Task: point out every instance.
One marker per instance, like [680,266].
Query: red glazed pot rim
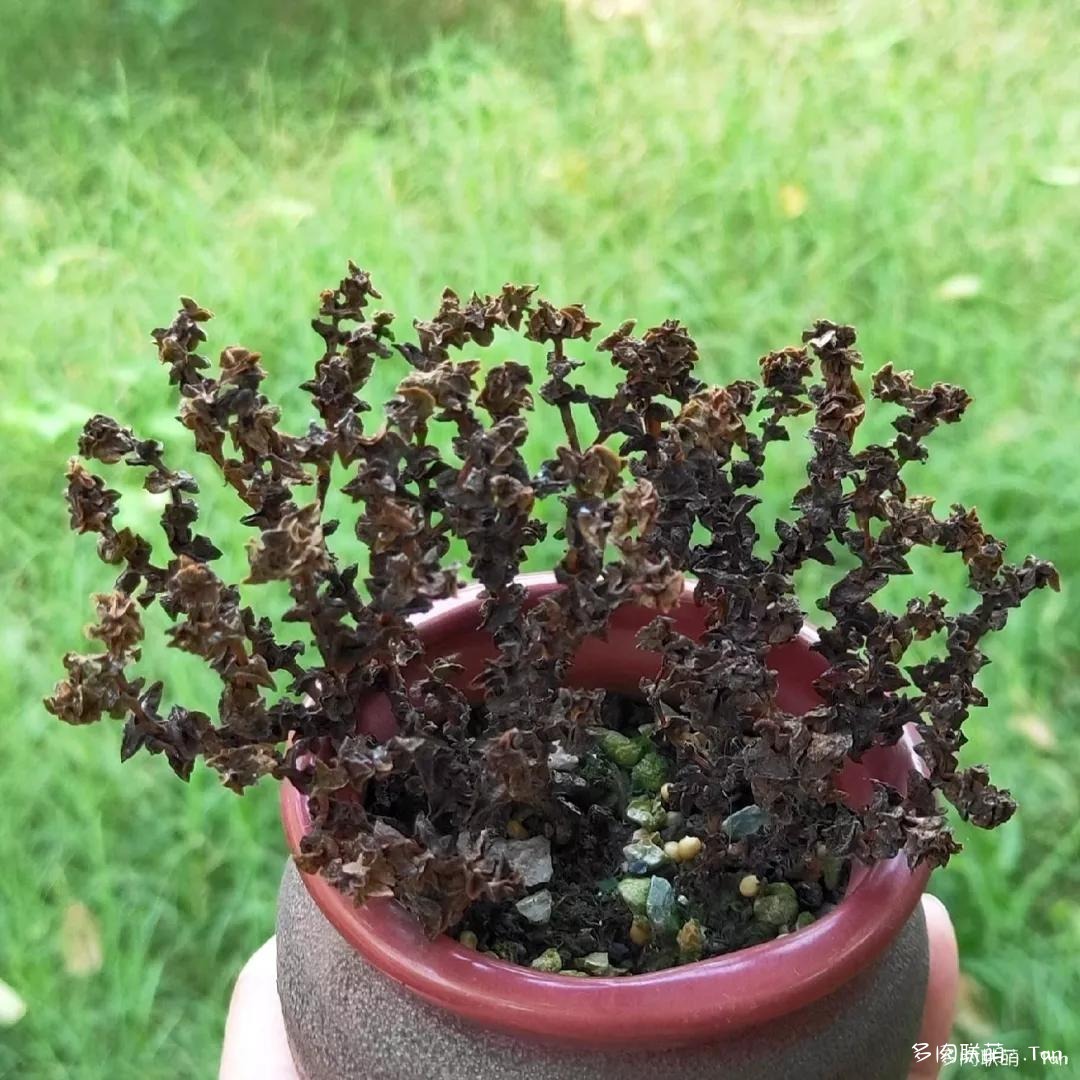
[698,1002]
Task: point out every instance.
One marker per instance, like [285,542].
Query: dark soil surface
[615,911]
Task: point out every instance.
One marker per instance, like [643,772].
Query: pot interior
[616,663]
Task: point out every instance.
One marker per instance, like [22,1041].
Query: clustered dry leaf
[419,816]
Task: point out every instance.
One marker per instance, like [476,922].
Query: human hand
[255,1046]
[941,985]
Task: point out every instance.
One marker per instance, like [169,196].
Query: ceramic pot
[366,996]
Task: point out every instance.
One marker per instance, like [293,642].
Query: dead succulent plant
[662,490]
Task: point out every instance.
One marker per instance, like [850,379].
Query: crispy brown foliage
[421,816]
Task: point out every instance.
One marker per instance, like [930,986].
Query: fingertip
[941,984]
[944,954]
[262,964]
[255,1045]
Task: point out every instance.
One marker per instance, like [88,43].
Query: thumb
[255,1046]
[941,985]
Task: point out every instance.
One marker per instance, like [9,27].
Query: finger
[941,986]
[255,1046]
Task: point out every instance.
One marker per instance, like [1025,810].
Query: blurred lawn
[911,167]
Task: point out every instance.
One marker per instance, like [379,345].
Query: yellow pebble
[468,939]
[640,932]
[516,831]
[689,847]
[665,792]
[749,886]
[671,850]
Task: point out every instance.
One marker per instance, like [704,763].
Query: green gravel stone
[643,858]
[745,822]
[776,904]
[508,951]
[622,750]
[830,871]
[647,812]
[635,893]
[650,773]
[660,906]
[549,960]
[597,963]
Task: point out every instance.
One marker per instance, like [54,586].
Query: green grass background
[650,158]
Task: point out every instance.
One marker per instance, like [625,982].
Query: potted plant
[633,813]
